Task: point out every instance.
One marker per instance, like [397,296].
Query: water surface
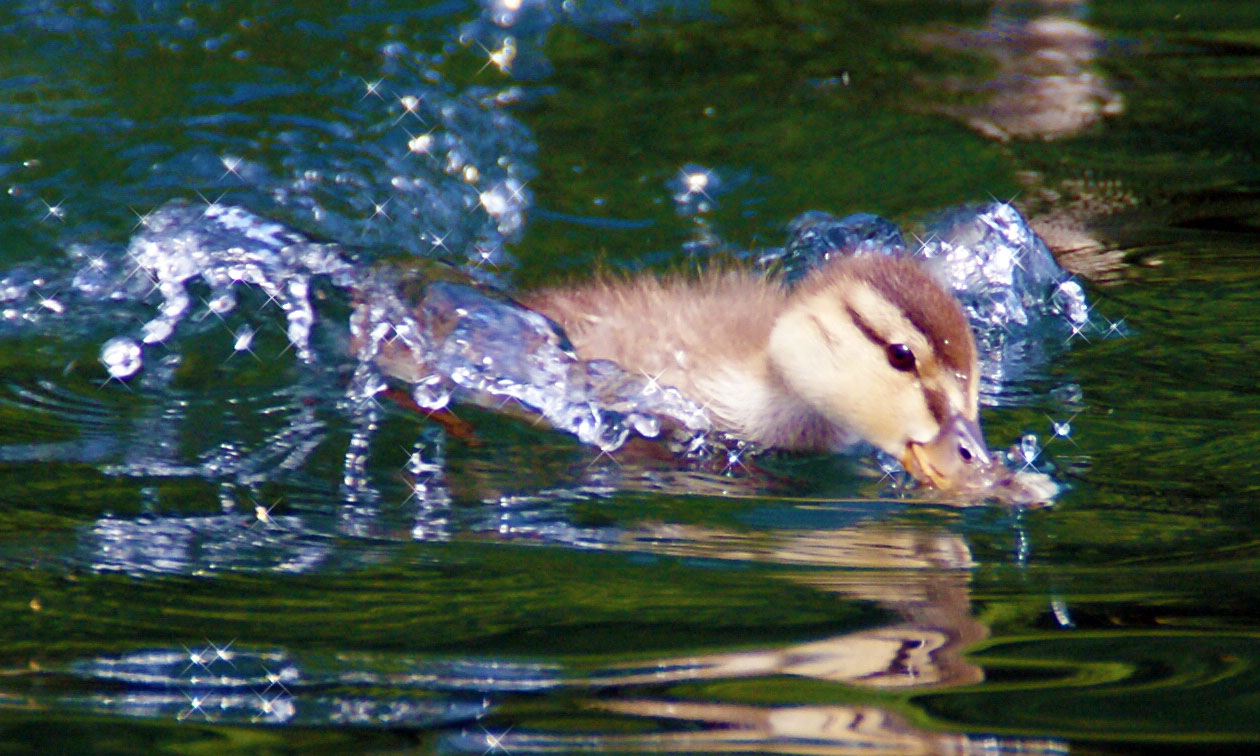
[219,554]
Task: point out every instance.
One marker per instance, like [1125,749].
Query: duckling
[867,348]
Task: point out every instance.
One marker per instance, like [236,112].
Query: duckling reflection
[922,574]
[815,730]
[732,728]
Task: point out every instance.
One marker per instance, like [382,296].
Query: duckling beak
[951,460]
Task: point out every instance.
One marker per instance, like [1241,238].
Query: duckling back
[670,328]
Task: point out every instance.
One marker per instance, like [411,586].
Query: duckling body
[706,337]
[864,348]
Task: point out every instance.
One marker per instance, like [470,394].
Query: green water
[545,609]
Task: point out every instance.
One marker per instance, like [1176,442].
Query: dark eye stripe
[865,328]
[937,404]
[888,347]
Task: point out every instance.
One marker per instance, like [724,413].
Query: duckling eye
[900,357]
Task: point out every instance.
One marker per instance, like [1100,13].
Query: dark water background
[179,578]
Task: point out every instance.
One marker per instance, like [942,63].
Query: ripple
[1115,684]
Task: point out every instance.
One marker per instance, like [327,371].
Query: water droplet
[122,357]
[244,338]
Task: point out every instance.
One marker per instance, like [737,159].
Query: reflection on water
[224,684]
[918,574]
[921,575]
[1047,84]
[729,728]
[205,544]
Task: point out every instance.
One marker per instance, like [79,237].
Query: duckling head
[877,346]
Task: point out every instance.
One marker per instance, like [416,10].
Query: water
[215,538]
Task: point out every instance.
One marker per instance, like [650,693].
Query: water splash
[1002,271]
[449,337]
[225,246]
[986,254]
[476,342]
[442,337]
[816,237]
